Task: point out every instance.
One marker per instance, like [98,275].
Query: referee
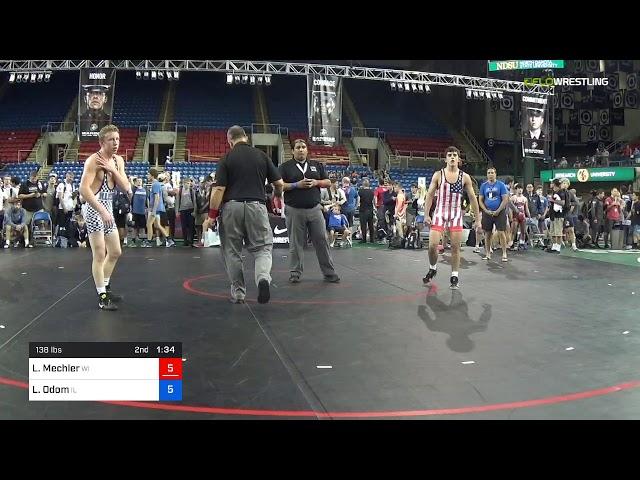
[303,179]
[241,179]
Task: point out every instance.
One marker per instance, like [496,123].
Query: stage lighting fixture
[25,78]
[393,86]
[145,75]
[161,75]
[154,75]
[414,88]
[421,88]
[169,75]
[468,93]
[19,78]
[500,95]
[267,80]
[138,75]
[245,79]
[176,74]
[12,77]
[406,87]
[47,76]
[236,79]
[260,80]
[400,87]
[229,79]
[40,76]
[427,89]
[252,79]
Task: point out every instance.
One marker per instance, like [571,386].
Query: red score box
[170,368]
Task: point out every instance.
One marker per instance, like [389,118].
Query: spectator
[634,216]
[351,194]
[31,193]
[186,203]
[540,208]
[51,201]
[338,223]
[66,194]
[78,235]
[366,201]
[614,207]
[139,209]
[16,222]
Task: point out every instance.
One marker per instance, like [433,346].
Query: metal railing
[180,151]
[273,128]
[367,132]
[418,155]
[476,146]
[58,127]
[70,154]
[163,126]
[28,152]
[133,152]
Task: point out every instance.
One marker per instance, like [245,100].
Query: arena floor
[541,337]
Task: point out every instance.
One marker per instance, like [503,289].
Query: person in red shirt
[613,207]
[378,195]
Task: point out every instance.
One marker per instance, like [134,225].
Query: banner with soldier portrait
[535,121]
[324,96]
[95,101]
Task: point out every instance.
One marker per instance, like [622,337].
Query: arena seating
[137,102]
[11,141]
[32,105]
[204,100]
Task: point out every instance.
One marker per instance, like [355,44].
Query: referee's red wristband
[213,213]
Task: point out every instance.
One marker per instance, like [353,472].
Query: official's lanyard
[303,170]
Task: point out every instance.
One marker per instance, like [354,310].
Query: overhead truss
[281,68]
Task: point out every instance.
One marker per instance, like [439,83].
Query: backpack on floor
[396,242]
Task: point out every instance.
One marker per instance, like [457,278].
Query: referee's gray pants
[248,222]
[298,220]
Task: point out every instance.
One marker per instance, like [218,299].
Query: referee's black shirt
[302,197]
[243,171]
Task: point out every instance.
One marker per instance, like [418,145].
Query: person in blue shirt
[338,223]
[494,197]
[15,221]
[351,194]
[157,215]
[541,205]
[138,212]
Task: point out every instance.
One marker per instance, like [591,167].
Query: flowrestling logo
[566,81]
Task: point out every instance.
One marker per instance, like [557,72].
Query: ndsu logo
[583,175]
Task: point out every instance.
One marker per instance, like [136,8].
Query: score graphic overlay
[105,371]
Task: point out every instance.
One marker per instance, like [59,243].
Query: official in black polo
[241,179]
[303,179]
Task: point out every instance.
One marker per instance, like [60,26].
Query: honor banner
[95,101]
[535,134]
[324,98]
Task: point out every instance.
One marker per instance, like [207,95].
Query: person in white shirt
[66,200]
